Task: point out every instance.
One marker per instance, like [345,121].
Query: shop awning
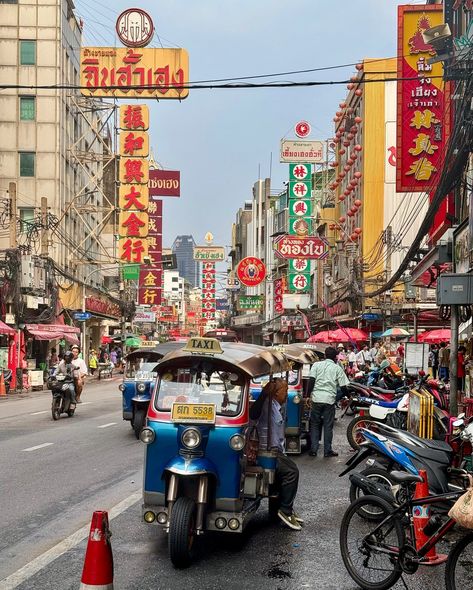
[45,334]
[4,329]
[71,338]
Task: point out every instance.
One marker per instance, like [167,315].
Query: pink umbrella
[326,336]
[435,336]
[348,334]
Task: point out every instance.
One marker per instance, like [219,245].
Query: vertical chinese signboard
[208,292]
[133,177]
[423,100]
[150,290]
[300,222]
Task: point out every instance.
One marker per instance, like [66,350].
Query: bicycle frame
[408,506]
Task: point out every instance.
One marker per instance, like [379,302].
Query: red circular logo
[135,27]
[251,271]
[302,129]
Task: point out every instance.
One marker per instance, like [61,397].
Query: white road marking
[40,562]
[37,447]
[37,413]
[107,425]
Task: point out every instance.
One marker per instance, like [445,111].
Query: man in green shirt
[324,380]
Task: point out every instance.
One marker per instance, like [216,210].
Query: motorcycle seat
[383,391]
[383,404]
[438,445]
[404,477]
[437,455]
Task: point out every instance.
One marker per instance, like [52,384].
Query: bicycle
[386,549]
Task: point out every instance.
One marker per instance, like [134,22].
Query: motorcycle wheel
[353,435]
[182,532]
[138,421]
[56,408]
[382,478]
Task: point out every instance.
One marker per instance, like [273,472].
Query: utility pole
[454,326]
[389,245]
[12,193]
[44,228]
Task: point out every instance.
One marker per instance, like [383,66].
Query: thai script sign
[145,317]
[209,253]
[304,151]
[250,302]
[102,306]
[422,122]
[134,73]
[294,247]
[164,183]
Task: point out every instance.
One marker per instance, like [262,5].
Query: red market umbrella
[107,340]
[435,336]
[348,334]
[326,336]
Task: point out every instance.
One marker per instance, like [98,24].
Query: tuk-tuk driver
[287,473]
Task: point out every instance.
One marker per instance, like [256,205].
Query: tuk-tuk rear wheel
[139,421]
[182,532]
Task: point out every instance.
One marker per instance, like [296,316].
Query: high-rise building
[188,268]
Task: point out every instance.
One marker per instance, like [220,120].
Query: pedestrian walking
[461,364]
[374,351]
[444,361]
[363,359]
[325,377]
[269,408]
[93,361]
[434,360]
[351,356]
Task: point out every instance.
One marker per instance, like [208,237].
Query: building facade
[183,248]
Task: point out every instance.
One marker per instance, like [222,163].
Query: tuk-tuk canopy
[153,354]
[301,353]
[252,359]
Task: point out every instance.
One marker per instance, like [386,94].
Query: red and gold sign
[133,250]
[251,271]
[150,282]
[132,197]
[423,123]
[134,117]
[133,170]
[164,183]
[134,73]
[133,224]
[134,144]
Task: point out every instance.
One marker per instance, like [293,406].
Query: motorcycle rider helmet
[68,357]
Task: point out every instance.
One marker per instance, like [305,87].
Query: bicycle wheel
[363,544]
[459,567]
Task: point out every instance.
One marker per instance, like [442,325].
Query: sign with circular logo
[135,27]
[251,271]
[302,129]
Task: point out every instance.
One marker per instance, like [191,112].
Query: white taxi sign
[199,345]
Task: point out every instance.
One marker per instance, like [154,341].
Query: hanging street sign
[299,282]
[164,183]
[135,27]
[298,265]
[302,129]
[299,172]
[82,316]
[250,302]
[251,271]
[300,208]
[300,189]
[311,247]
[302,151]
[233,284]
[209,253]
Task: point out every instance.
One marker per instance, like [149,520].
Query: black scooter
[63,391]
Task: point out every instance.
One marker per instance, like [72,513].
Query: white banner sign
[302,151]
[145,317]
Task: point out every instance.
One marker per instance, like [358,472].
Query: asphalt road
[93,462]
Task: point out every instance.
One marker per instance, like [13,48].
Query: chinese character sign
[423,124]
[134,73]
[208,292]
[150,285]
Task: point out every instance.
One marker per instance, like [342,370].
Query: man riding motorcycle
[77,365]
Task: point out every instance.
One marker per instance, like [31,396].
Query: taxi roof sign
[200,345]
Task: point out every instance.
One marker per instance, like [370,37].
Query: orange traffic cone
[98,564]
[421,516]
[3,391]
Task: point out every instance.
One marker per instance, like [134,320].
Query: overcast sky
[219,139]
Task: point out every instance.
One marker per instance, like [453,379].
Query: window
[27,163]
[27,108]
[27,53]
[174,279]
[26,218]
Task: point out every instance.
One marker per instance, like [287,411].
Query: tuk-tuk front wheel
[182,532]
[139,421]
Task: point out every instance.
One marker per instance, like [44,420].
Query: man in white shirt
[363,358]
[325,377]
[80,371]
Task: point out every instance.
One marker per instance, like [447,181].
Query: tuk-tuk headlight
[296,399]
[191,438]
[121,387]
[237,442]
[141,387]
[147,435]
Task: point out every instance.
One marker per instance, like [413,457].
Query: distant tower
[188,268]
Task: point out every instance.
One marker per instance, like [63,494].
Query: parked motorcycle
[63,392]
[392,449]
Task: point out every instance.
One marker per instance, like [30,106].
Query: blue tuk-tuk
[138,380]
[302,356]
[198,476]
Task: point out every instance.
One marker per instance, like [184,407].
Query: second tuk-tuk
[198,473]
[138,379]
[301,356]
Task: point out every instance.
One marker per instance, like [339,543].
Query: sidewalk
[92,381]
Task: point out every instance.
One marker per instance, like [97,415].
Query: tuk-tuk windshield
[140,370]
[221,388]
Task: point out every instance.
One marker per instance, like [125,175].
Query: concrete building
[183,248]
